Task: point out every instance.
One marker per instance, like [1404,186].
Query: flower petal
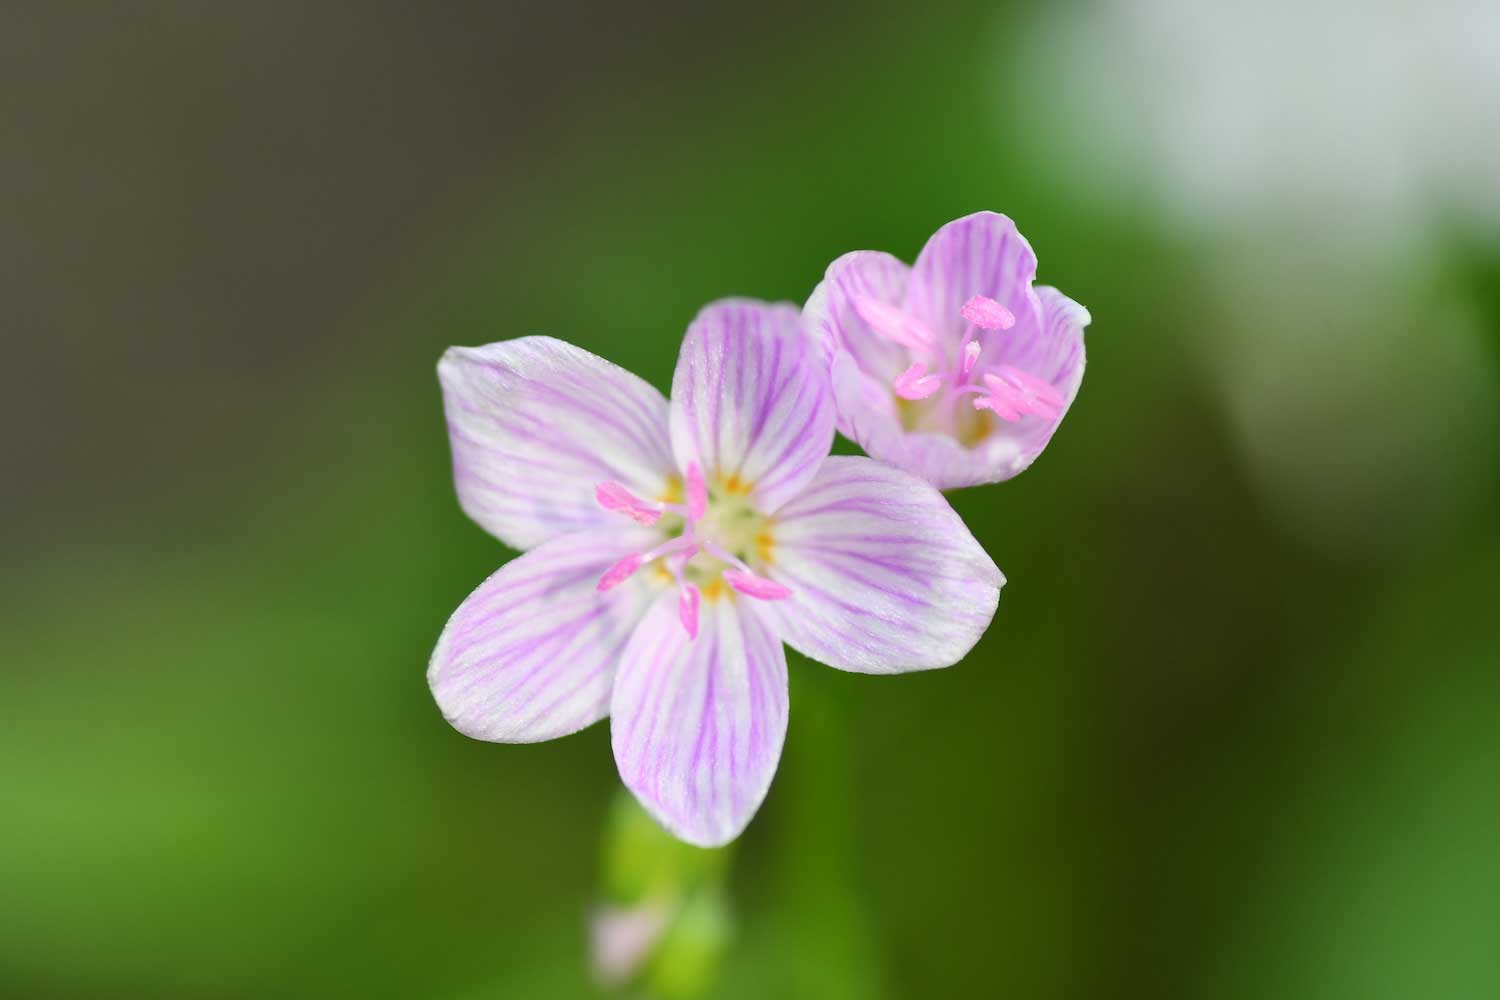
[536,424]
[750,400]
[885,577]
[868,416]
[979,254]
[831,316]
[698,724]
[531,654]
[1050,349]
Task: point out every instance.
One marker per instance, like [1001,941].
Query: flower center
[1003,391]
[715,541]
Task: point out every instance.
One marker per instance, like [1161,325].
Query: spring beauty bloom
[955,369]
[673,547]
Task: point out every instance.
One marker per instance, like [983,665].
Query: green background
[1233,733]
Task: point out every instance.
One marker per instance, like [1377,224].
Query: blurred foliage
[679,892]
[1198,754]
[642,861]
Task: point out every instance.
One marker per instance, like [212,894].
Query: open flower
[954,369]
[673,547]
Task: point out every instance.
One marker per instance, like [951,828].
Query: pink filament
[687,609]
[697,492]
[970,358]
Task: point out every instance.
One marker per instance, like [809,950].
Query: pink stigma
[914,384]
[987,314]
[756,586]
[620,571]
[697,493]
[969,359]
[687,609]
[613,496]
[1014,393]
[893,324]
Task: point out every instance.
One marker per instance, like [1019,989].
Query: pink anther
[1014,394]
[893,324]
[914,383]
[613,496]
[756,586]
[987,314]
[620,571]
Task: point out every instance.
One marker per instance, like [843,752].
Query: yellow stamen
[733,485]
[763,545]
[672,492]
[968,425]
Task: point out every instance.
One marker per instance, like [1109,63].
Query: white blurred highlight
[1345,119]
[1317,153]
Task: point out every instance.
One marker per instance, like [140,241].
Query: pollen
[973,426]
[968,425]
[735,486]
[763,545]
[713,590]
[672,491]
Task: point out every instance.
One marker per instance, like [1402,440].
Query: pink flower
[955,369]
[673,547]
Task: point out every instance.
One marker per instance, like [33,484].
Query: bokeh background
[1234,732]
